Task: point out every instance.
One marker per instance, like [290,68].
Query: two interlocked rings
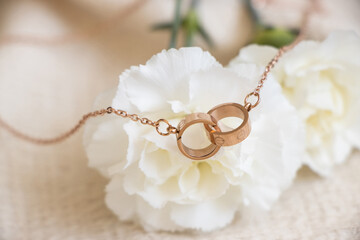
[216,136]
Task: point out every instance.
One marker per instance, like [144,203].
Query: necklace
[210,120]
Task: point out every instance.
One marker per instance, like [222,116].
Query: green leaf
[190,25]
[277,37]
[205,36]
[176,24]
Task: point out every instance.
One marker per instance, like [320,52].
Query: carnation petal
[149,87]
[108,146]
[155,219]
[157,195]
[210,185]
[254,54]
[115,195]
[207,215]
[189,179]
[104,139]
[135,140]
[214,87]
[157,164]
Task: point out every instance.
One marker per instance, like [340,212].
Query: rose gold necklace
[210,119]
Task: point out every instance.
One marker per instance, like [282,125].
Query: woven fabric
[50,193]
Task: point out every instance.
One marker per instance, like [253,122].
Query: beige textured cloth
[48,192]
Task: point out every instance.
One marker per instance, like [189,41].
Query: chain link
[269,66]
[256,92]
[134,117]
[145,121]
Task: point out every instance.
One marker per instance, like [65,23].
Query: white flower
[322,80]
[152,183]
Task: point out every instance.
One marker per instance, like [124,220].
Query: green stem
[253,14]
[191,24]
[189,39]
[176,25]
[194,4]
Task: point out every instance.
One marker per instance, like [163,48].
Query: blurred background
[57,56]
[86,44]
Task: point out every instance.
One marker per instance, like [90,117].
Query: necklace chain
[143,120]
[256,93]
[157,124]
[134,117]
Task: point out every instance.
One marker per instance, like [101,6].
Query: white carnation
[152,183]
[322,80]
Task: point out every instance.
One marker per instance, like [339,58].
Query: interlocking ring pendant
[234,136]
[203,153]
[216,136]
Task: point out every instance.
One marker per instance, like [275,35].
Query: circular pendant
[232,137]
[211,126]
